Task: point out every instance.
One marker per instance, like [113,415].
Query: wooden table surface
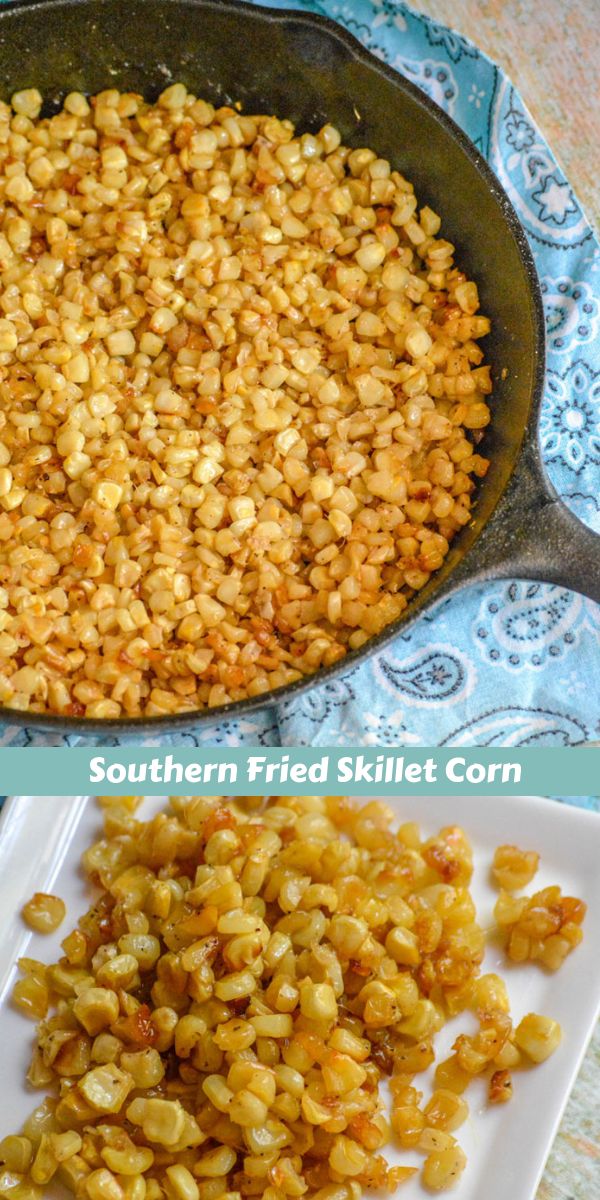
[551,51]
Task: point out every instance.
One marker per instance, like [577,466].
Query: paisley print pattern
[319,708]
[570,436]
[439,676]
[455,46]
[514,726]
[388,14]
[543,198]
[572,313]
[511,664]
[532,626]
[435,78]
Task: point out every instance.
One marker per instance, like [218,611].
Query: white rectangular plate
[41,841]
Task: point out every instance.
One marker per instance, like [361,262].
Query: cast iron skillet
[307,68]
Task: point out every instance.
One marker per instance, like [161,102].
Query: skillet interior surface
[308,69]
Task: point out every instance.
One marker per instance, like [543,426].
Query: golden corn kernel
[44,913]
[442,1169]
[182,1182]
[446,1110]
[128,1159]
[95,1008]
[317,1001]
[105,1088]
[512,868]
[162,1121]
[16,1153]
[538,1036]
[31,995]
[102,1185]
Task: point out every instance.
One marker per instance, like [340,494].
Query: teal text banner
[395,771]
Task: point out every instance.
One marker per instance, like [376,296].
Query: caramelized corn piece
[446,1110]
[544,927]
[501,1088]
[513,869]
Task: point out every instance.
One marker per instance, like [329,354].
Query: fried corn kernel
[513,869]
[162,1121]
[538,1037]
[183,1184]
[500,1089]
[446,1110]
[16,1153]
[15,1186]
[443,1168]
[248,975]
[242,392]
[95,1008]
[145,1067]
[317,1001]
[32,996]
[103,1185]
[105,1088]
[44,913]
[45,1163]
[543,928]
[125,1158]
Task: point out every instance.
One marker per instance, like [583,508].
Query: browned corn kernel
[408,1123]
[501,1088]
[513,869]
[544,927]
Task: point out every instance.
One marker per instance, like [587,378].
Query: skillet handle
[533,535]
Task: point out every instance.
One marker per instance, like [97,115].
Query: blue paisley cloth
[512,664]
